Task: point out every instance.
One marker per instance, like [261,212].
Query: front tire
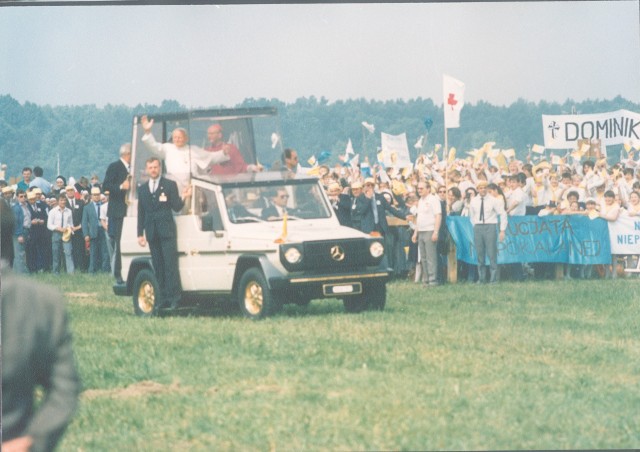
[146,291]
[354,304]
[254,296]
[377,297]
[373,298]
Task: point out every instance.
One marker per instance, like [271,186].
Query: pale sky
[208,55]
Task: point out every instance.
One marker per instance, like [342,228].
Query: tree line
[85,139]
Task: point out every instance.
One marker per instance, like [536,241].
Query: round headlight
[376,249]
[292,255]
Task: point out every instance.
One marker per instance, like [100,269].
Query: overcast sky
[210,55]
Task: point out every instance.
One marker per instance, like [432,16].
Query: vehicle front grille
[336,254]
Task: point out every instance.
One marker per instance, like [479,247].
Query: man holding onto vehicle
[117,181]
[156,226]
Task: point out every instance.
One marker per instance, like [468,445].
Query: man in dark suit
[117,182]
[278,206]
[94,234]
[341,203]
[37,358]
[156,226]
[76,205]
[374,219]
[235,209]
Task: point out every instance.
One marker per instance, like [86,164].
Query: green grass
[540,365]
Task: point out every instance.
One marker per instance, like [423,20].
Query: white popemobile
[228,248]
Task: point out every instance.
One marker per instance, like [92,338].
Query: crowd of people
[60,226]
[489,195]
[77,225]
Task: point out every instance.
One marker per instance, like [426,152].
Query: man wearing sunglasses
[278,206]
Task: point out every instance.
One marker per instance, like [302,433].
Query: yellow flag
[488,145]
[502,162]
[509,153]
[283,237]
[452,156]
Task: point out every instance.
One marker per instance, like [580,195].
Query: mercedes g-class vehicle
[229,248]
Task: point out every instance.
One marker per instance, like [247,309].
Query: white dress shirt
[59,218]
[493,211]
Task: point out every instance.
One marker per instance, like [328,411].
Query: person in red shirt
[236,163]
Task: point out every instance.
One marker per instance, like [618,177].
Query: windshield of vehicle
[271,203]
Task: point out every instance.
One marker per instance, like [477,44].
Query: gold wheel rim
[253,298]
[146,297]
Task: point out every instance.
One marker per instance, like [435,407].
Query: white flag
[537,149]
[349,149]
[354,161]
[453,92]
[370,127]
[419,143]
[274,140]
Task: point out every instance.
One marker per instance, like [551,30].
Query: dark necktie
[375,210]
[482,209]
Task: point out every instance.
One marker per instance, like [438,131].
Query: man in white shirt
[427,221]
[516,200]
[59,220]
[484,213]
[181,159]
[516,206]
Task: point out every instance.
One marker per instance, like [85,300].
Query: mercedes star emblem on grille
[337,253]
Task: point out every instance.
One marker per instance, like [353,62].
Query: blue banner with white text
[571,239]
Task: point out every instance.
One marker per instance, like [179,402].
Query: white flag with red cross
[453,92]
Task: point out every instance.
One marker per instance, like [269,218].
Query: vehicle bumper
[327,285]
[121,289]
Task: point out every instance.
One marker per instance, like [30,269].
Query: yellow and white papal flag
[453,94]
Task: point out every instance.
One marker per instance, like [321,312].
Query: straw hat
[66,235]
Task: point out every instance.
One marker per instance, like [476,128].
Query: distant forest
[87,138]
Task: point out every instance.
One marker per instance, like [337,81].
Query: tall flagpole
[364,142]
[445,153]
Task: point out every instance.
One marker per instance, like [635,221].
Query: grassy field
[539,365]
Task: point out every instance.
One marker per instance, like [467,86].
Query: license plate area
[351,288]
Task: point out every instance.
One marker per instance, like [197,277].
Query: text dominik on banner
[616,127]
